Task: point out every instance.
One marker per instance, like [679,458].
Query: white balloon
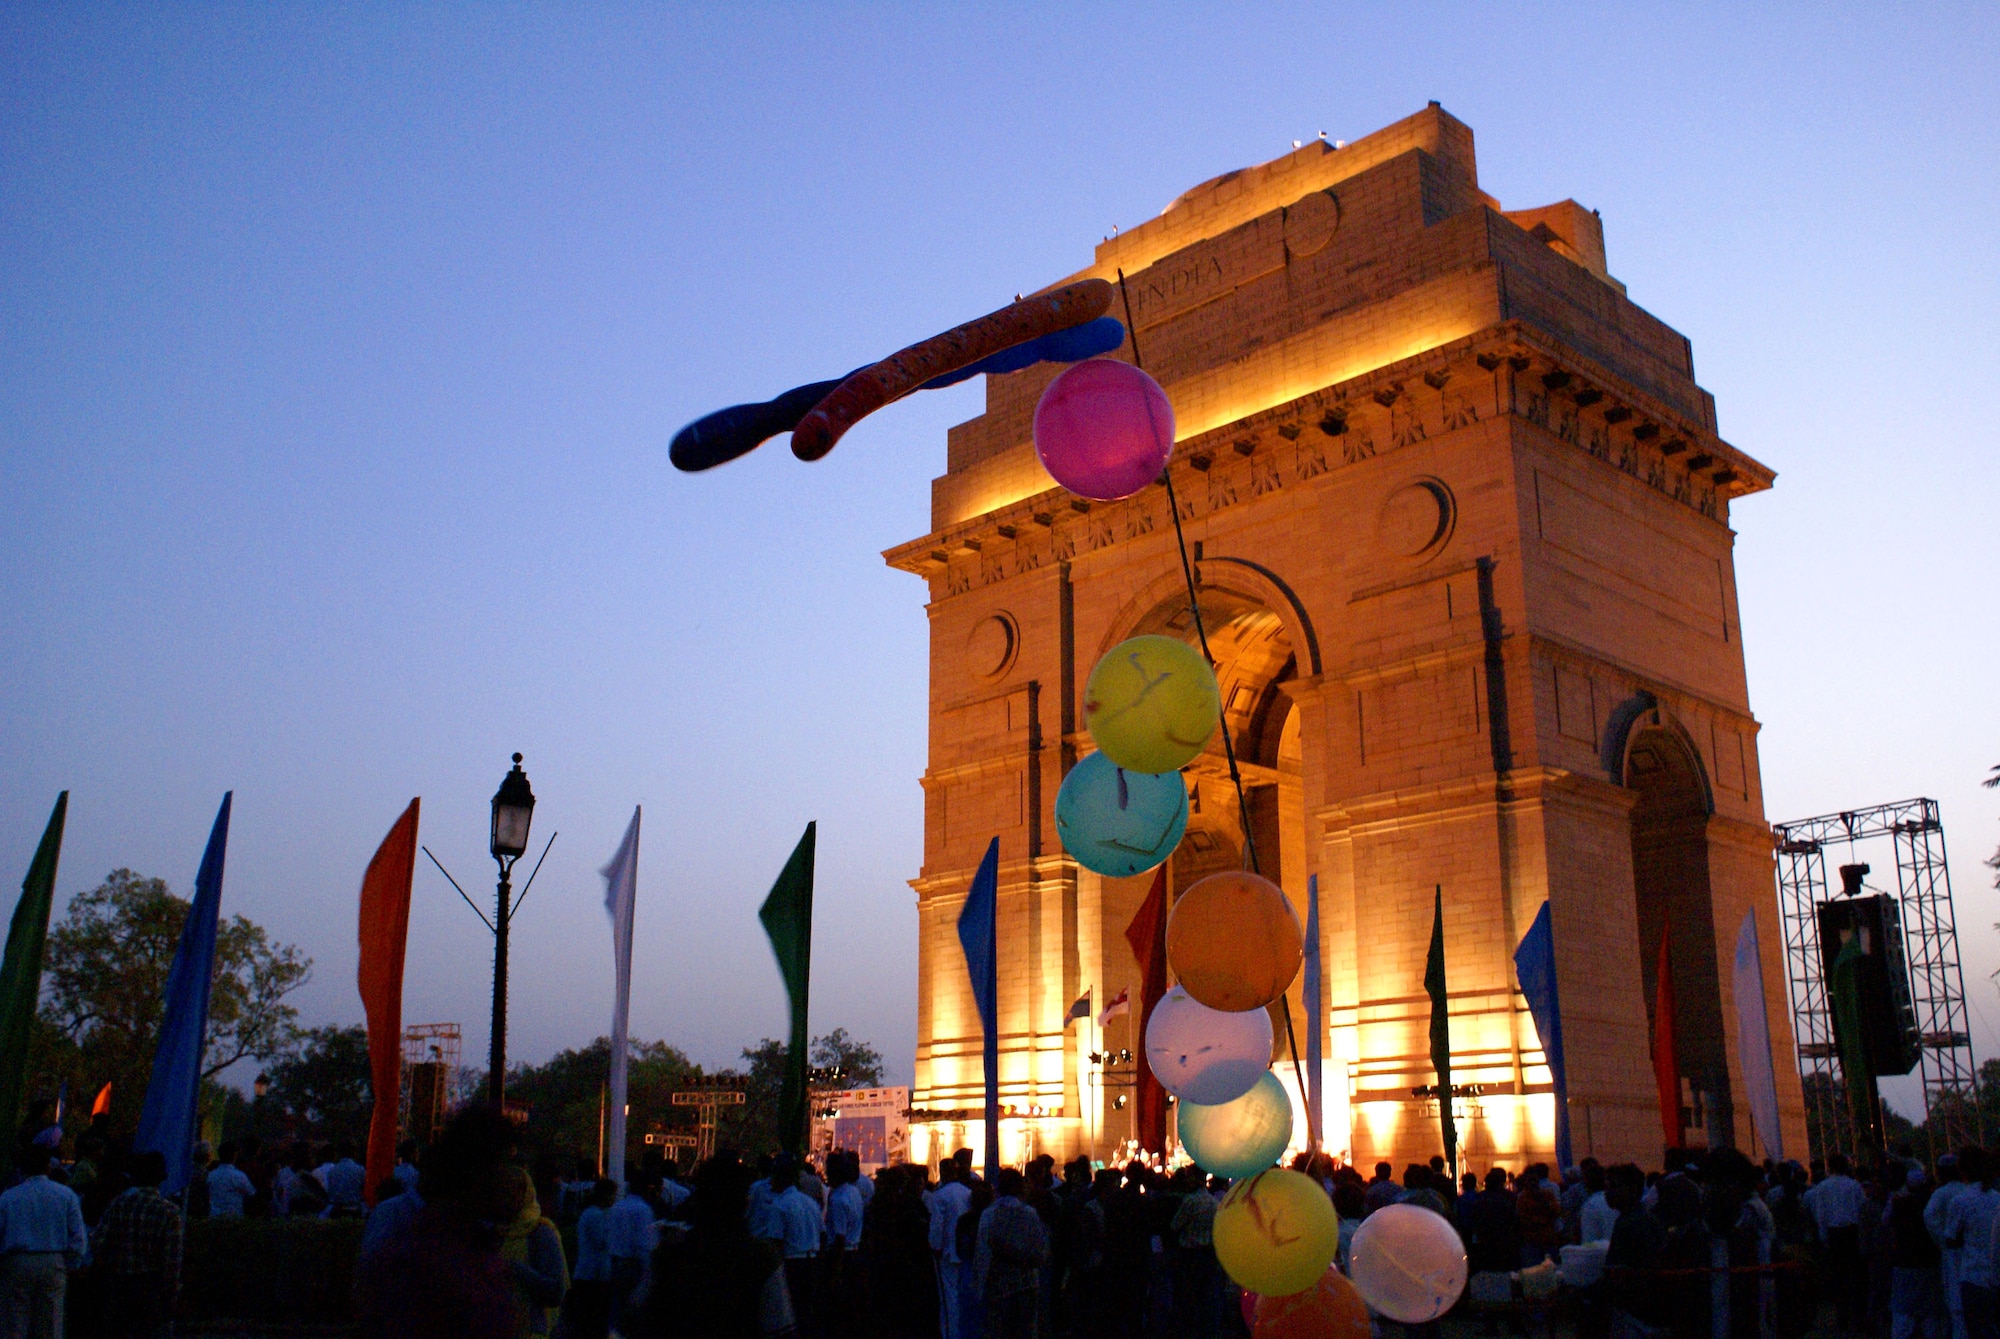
[1408,1263]
[1204,1055]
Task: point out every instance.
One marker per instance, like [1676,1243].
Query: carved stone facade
[1460,518]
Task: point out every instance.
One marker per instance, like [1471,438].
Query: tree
[1991,782]
[859,1063]
[105,983]
[753,1127]
[325,1084]
[562,1097]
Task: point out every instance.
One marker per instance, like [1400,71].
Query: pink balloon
[1248,1305]
[1104,429]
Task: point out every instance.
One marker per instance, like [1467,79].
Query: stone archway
[1256,654]
[1670,876]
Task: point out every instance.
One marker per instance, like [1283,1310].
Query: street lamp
[513,809]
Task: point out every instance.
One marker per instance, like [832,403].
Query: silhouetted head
[146,1169]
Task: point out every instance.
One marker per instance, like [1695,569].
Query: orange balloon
[1234,941]
[1330,1309]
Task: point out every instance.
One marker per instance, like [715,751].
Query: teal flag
[21,970]
[1434,985]
[788,919]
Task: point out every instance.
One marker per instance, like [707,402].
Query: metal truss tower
[1930,936]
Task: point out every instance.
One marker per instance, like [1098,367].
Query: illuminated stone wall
[1460,516]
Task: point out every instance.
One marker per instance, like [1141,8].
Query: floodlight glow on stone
[1151,704]
[1118,823]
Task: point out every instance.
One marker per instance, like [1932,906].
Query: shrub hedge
[270,1269]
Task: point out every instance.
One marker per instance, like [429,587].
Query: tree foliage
[860,1064]
[105,981]
[324,1084]
[562,1096]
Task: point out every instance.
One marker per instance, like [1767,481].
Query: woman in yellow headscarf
[533,1250]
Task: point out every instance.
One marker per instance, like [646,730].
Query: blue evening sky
[340,347]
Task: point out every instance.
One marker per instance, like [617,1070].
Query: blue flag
[167,1125]
[978,935]
[1535,967]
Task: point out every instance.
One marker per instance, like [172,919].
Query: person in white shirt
[798,1214]
[346,1182]
[229,1188]
[631,1235]
[1597,1219]
[948,1204]
[674,1192]
[1936,1209]
[845,1204]
[406,1164]
[587,1309]
[1835,1203]
[41,1240]
[1968,1227]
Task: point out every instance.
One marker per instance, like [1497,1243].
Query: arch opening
[1670,875]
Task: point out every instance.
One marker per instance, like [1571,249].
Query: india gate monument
[1460,522]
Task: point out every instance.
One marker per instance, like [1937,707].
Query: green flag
[788,919]
[1850,1035]
[1441,1029]
[21,969]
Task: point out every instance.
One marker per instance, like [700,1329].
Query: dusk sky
[340,347]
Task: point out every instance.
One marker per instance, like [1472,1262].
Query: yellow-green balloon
[1240,1137]
[1151,704]
[1276,1233]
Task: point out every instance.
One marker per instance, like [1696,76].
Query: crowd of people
[91,1246]
[476,1243]
[1715,1244]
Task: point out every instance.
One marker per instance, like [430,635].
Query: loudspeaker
[1889,1018]
[429,1101]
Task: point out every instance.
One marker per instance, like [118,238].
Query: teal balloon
[1120,823]
[1240,1138]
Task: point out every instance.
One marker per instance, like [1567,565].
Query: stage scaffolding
[1937,987]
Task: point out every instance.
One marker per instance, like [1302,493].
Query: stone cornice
[1508,369]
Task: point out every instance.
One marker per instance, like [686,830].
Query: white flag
[1753,1040]
[621,889]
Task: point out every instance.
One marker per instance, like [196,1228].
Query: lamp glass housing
[513,810]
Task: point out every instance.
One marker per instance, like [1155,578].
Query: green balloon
[1240,1138]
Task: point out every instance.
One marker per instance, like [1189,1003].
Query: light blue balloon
[1240,1138]
[1117,822]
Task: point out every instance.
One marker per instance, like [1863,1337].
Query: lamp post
[513,808]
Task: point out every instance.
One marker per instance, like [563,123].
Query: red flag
[102,1106]
[1147,934]
[385,929]
[1666,1067]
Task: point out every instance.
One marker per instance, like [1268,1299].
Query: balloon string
[1228,744]
[1194,608]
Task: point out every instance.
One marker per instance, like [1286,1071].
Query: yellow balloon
[1151,704]
[1276,1233]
